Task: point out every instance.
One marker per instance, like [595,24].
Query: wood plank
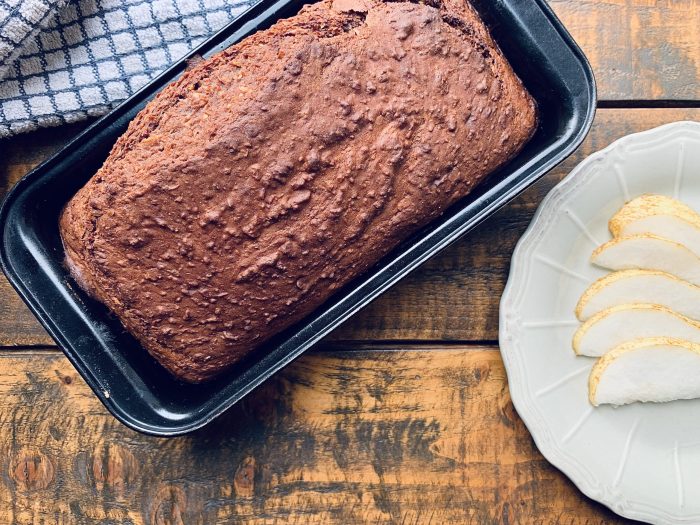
[17,157]
[407,437]
[639,49]
[452,297]
[20,154]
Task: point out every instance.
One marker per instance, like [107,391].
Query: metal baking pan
[127,380]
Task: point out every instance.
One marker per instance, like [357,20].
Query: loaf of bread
[268,176]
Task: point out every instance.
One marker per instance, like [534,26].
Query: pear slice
[640,286]
[648,252]
[651,369]
[658,215]
[614,326]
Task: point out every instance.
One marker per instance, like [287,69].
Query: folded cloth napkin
[20,20]
[63,61]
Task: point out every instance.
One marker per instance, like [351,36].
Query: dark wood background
[401,416]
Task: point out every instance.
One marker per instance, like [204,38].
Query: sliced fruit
[648,252]
[651,369]
[614,326]
[640,286]
[658,215]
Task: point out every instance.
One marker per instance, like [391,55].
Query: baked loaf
[267,177]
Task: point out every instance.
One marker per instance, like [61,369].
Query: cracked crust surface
[267,177]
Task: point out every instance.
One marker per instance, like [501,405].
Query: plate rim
[517,281]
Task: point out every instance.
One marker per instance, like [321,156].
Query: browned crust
[270,175]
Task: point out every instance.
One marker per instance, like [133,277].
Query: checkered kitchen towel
[64,60]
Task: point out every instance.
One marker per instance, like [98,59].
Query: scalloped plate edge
[520,393]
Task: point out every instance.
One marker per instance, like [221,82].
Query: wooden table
[401,416]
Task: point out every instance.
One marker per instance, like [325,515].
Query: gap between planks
[649,104]
[330,347]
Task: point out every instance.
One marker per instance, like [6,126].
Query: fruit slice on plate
[651,369]
[614,326]
[640,286]
[648,252]
[658,215]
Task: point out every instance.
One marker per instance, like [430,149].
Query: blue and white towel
[65,60]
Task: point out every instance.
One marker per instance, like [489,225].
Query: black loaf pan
[127,380]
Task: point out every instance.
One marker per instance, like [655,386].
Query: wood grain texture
[378,435]
[405,437]
[17,157]
[639,49]
[20,154]
[453,297]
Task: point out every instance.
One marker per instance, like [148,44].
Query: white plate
[641,460]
